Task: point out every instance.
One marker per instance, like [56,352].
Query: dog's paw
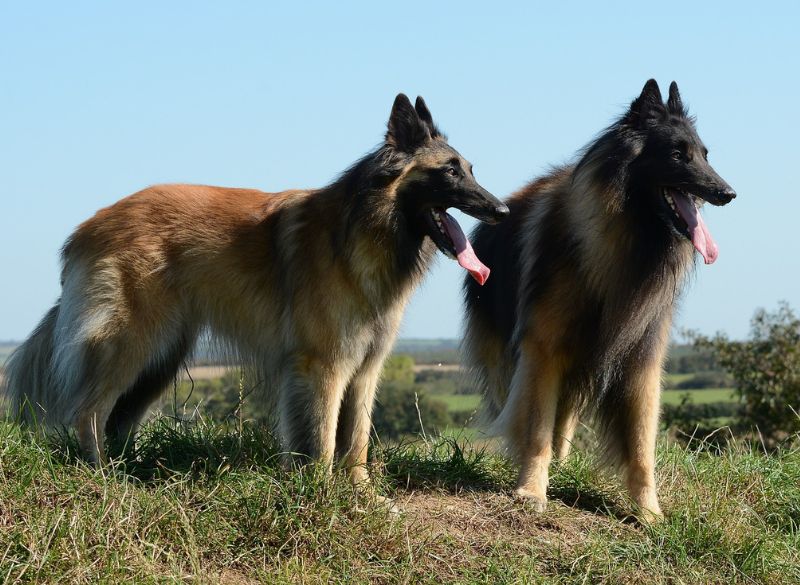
[647,516]
[389,504]
[377,502]
[532,501]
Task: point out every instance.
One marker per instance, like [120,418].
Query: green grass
[459,402]
[672,379]
[469,402]
[705,396]
[210,504]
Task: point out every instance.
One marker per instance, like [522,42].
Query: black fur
[132,406]
[616,302]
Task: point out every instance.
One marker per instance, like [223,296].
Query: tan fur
[525,381]
[307,287]
[315,326]
[586,275]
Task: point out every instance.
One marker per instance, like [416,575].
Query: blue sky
[98,100]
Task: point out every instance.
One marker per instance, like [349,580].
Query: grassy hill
[211,504]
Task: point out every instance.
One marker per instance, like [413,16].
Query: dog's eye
[452,171]
[677,155]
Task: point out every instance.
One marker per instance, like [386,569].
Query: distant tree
[399,368]
[400,407]
[765,370]
[705,380]
[691,419]
[688,359]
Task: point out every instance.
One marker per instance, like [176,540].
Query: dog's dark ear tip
[674,103]
[424,113]
[406,129]
[401,98]
[651,88]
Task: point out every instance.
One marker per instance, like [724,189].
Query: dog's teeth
[671,202]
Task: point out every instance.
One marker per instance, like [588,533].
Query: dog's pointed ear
[422,110]
[647,107]
[406,131]
[651,94]
[425,115]
[674,103]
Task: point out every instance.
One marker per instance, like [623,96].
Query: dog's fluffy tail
[30,384]
[489,367]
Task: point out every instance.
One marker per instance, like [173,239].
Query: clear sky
[99,99]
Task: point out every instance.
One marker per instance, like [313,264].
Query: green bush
[399,409]
[766,372]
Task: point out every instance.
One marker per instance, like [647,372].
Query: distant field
[206,372]
[705,396]
[459,402]
[672,379]
[462,402]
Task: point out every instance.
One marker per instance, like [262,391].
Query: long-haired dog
[586,275]
[308,286]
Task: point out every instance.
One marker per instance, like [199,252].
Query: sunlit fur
[586,273]
[308,288]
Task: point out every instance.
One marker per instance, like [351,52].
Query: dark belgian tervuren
[585,277]
[308,286]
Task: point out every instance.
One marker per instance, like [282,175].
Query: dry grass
[205,503]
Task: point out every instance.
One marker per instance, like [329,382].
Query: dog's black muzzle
[720,197]
[484,207]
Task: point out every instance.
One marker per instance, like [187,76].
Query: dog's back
[145,274]
[491,320]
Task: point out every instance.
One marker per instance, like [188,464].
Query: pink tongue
[464,252]
[701,237]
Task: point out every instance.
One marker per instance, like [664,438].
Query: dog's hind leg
[533,403]
[89,425]
[149,385]
[566,422]
[105,374]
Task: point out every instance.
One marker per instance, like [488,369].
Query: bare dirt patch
[476,526]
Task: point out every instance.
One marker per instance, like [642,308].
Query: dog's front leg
[639,426]
[641,430]
[310,398]
[355,417]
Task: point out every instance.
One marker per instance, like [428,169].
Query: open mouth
[448,236]
[686,217]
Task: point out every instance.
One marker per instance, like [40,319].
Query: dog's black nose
[501,212]
[727,195]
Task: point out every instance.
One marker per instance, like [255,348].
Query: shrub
[765,370]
